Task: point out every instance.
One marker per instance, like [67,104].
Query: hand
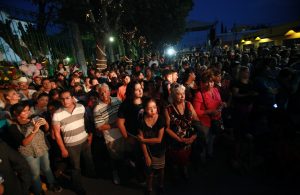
[90,138]
[140,138]
[190,140]
[181,139]
[42,121]
[37,124]
[148,161]
[212,112]
[64,153]
[224,105]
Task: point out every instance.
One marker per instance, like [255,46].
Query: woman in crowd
[243,99]
[11,97]
[179,116]
[122,89]
[208,104]
[87,86]
[61,69]
[30,139]
[151,131]
[40,108]
[130,110]
[54,95]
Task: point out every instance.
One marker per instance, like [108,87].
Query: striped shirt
[71,125]
[108,113]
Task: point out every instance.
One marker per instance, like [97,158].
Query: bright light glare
[171,51]
[68,59]
[111,39]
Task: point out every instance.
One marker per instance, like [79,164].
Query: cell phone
[36,118]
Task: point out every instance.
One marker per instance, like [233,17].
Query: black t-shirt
[165,86]
[156,150]
[15,137]
[131,113]
[114,88]
[243,89]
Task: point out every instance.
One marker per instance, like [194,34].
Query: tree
[13,40]
[158,22]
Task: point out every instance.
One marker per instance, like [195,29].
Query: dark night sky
[246,12]
[229,11]
[268,12]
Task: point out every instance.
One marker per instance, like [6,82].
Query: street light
[111,39]
[68,59]
[170,51]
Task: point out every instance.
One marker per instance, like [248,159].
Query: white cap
[22,80]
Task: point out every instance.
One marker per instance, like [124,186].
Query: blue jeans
[36,165]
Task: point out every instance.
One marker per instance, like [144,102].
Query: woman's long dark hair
[130,91]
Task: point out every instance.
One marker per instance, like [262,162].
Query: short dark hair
[42,95]
[54,92]
[147,100]
[56,104]
[45,79]
[16,109]
[66,91]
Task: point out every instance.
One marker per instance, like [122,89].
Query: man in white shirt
[153,60]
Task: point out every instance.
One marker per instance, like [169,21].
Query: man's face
[67,100]
[175,76]
[38,80]
[47,84]
[104,94]
[23,85]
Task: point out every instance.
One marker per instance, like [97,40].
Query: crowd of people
[149,116]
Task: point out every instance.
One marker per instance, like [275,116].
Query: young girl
[151,131]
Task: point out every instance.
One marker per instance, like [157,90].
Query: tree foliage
[160,21]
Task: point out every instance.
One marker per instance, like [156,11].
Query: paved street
[216,177]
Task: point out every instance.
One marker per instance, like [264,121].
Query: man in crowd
[72,138]
[24,91]
[105,114]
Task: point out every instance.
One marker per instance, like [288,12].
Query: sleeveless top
[181,124]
